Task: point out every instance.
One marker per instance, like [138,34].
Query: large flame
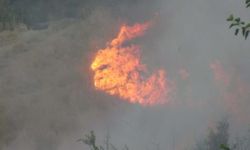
[118,70]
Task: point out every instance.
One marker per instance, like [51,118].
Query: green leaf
[248,5]
[247,1]
[248,25]
[230,18]
[237,19]
[233,24]
[224,147]
[243,31]
[236,32]
[246,34]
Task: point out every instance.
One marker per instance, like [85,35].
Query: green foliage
[247,3]
[224,147]
[240,25]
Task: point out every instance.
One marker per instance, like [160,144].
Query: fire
[118,70]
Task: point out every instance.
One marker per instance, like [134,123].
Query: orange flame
[118,70]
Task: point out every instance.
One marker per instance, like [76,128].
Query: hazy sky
[49,98]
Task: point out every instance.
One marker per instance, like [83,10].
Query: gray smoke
[48,99]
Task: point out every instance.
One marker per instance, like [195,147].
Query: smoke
[49,99]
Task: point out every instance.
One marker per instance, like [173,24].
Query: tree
[238,24]
[215,138]
[90,140]
[242,143]
[8,18]
[218,137]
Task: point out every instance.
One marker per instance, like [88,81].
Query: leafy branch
[247,3]
[238,24]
